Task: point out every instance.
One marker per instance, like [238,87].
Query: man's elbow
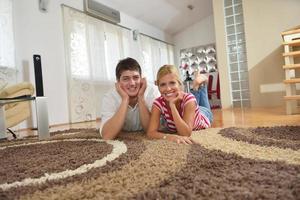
[106,136]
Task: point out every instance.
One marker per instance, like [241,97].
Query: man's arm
[143,108]
[144,113]
[183,125]
[113,126]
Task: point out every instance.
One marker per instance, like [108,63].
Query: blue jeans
[202,99]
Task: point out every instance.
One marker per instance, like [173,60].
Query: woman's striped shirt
[200,120]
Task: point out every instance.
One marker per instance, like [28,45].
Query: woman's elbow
[187,132]
[150,134]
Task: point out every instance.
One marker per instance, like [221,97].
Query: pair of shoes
[199,80]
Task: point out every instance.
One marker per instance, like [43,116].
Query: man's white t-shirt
[112,100]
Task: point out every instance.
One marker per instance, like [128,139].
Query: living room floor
[250,117]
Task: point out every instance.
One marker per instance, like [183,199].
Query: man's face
[130,82]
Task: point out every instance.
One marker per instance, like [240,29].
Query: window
[236,52]
[79,57]
[7,46]
[95,47]
[155,54]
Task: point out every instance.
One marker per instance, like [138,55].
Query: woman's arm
[154,123]
[153,132]
[184,125]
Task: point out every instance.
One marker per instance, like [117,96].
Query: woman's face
[130,82]
[169,86]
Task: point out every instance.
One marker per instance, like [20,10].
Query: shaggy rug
[231,163]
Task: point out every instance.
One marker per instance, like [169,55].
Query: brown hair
[167,69]
[127,64]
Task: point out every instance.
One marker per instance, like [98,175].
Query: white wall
[42,33]
[264,22]
[218,9]
[201,33]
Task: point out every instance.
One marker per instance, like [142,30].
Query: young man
[127,106]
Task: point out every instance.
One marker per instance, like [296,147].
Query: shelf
[292,97]
[293,66]
[292,53]
[292,43]
[290,81]
[293,31]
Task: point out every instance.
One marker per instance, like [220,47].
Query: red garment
[200,120]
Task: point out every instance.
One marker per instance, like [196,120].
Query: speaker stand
[42,118]
[2,123]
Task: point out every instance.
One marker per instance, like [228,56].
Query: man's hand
[142,87]
[121,91]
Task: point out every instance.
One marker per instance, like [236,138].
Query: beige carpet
[232,163]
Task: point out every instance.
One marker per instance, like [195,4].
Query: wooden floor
[250,117]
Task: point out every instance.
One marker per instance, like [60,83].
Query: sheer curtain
[7,46]
[154,54]
[93,49]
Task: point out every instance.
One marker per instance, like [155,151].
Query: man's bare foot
[199,80]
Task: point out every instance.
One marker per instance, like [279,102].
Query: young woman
[179,110]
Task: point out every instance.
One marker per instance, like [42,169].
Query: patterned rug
[232,163]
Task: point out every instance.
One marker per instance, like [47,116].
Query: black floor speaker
[38,75]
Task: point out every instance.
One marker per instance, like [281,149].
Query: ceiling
[171,16]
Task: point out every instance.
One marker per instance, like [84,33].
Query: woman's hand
[180,139]
[178,97]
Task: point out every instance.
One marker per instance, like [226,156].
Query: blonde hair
[167,69]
